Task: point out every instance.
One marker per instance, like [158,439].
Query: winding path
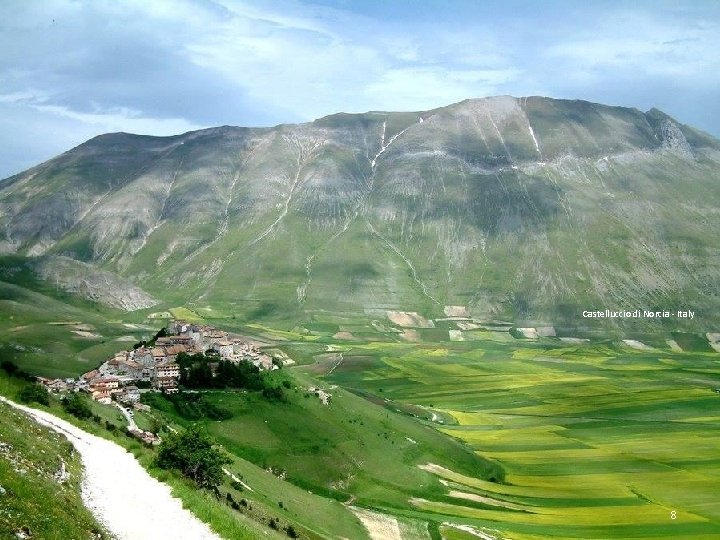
[119,492]
[130,420]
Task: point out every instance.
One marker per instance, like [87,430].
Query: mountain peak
[522,208]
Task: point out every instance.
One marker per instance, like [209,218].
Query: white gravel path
[120,493]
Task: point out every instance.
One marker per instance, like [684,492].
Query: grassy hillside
[227,522]
[57,335]
[32,501]
[498,435]
[329,460]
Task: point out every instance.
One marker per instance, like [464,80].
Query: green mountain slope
[528,209]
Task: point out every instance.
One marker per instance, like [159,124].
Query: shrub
[77,405]
[197,406]
[9,367]
[35,393]
[193,453]
[237,486]
[274,393]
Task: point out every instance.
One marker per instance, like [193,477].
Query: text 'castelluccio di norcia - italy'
[638,314]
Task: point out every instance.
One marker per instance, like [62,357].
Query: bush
[35,393]
[161,333]
[193,453]
[237,486]
[274,393]
[291,532]
[77,405]
[9,367]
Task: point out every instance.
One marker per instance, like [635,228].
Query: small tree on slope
[192,452]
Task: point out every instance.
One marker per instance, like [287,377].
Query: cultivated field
[595,441]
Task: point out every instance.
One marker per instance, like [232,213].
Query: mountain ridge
[652,111]
[516,207]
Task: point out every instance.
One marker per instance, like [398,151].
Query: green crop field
[595,441]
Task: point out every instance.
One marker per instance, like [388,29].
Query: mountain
[523,209]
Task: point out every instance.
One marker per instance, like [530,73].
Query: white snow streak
[532,134]
[301,290]
[159,220]
[384,146]
[225,224]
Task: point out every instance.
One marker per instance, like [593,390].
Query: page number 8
[673,514]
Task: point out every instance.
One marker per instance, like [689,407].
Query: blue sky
[70,70]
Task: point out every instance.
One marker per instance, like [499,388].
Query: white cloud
[424,88]
[672,48]
[107,119]
[122,119]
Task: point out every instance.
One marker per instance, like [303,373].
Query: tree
[35,393]
[156,426]
[161,333]
[193,453]
[77,405]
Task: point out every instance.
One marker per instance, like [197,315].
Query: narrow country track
[122,496]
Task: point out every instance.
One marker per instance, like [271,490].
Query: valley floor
[463,432]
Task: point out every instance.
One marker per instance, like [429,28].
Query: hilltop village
[154,365]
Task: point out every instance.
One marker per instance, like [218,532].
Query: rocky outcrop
[92,283]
